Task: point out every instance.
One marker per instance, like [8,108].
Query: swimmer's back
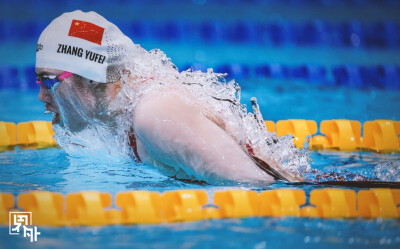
[175,132]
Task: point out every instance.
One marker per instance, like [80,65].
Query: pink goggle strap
[64,75]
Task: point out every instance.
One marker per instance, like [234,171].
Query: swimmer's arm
[175,133]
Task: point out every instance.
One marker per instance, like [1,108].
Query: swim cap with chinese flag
[87,31]
[86,44]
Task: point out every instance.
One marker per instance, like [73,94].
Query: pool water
[278,100]
[256,233]
[51,169]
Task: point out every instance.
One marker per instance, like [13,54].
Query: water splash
[146,71]
[95,143]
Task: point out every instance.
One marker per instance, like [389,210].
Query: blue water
[255,233]
[278,100]
[52,169]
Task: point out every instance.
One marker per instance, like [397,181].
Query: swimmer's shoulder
[160,117]
[166,103]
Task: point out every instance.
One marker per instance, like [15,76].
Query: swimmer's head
[76,55]
[76,101]
[86,44]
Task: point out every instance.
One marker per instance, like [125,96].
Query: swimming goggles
[52,82]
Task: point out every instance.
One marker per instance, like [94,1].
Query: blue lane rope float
[329,3]
[374,76]
[379,34]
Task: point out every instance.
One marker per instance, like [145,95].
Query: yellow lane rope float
[145,207]
[344,135]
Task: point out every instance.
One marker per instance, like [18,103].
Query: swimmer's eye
[47,80]
[51,81]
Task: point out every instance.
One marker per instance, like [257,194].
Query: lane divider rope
[385,76]
[146,207]
[344,135]
[352,33]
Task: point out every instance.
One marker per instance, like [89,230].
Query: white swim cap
[85,44]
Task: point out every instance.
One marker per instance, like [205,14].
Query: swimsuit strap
[132,143]
[350,184]
[268,169]
[263,165]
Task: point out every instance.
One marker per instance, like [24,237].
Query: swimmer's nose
[44,95]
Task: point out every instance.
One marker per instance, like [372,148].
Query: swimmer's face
[77,101]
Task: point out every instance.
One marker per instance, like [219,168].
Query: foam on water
[97,143]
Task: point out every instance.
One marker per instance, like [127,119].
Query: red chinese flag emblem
[87,31]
